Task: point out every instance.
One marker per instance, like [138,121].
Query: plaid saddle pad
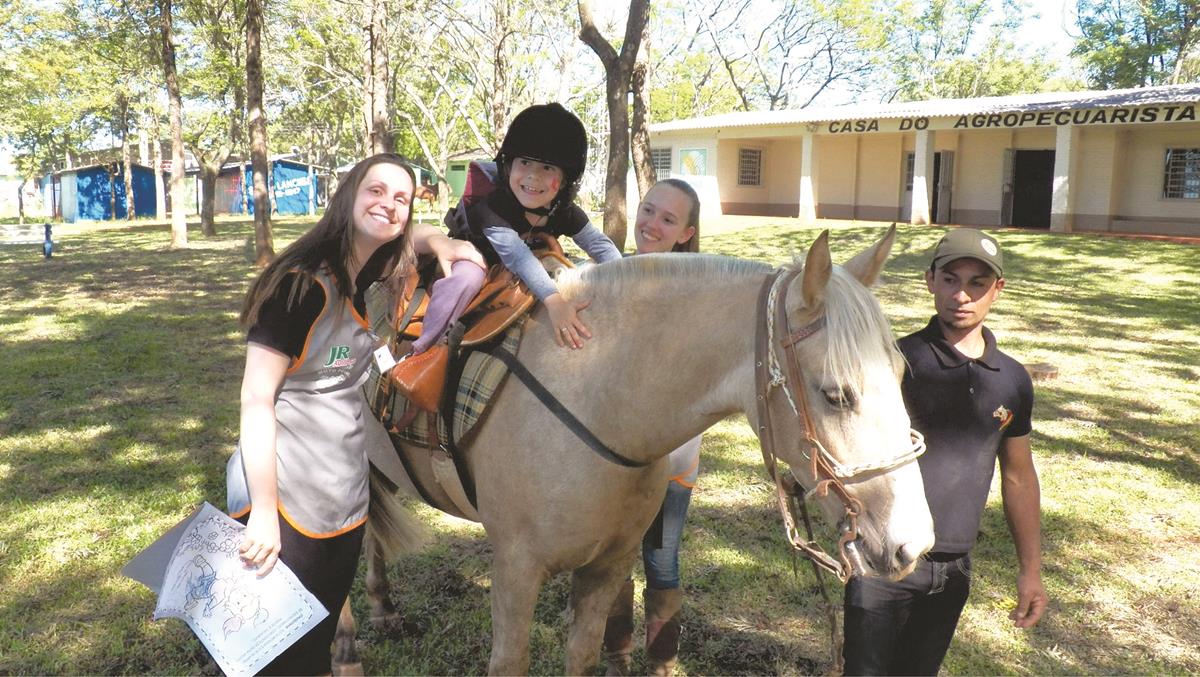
[482,377]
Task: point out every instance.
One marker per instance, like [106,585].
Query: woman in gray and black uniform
[299,478]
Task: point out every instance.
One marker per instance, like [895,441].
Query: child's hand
[260,542]
[569,330]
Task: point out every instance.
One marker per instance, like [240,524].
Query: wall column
[854,177]
[922,192]
[808,188]
[1116,185]
[1062,202]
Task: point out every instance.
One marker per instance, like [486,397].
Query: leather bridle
[828,472]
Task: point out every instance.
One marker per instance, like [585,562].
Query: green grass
[122,361]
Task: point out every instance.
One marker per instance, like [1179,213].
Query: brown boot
[618,633]
[662,630]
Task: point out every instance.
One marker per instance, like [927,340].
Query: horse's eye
[839,398]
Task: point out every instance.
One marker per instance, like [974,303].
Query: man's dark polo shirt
[965,408]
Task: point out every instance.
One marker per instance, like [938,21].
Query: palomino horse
[681,329]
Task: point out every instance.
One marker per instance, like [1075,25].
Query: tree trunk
[68,154]
[615,175]
[378,137]
[264,247]
[179,237]
[143,142]
[242,188]
[618,70]
[211,160]
[208,194]
[21,202]
[111,170]
[160,198]
[502,13]
[127,159]
[639,135]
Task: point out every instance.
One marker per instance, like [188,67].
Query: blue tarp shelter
[86,193]
[292,187]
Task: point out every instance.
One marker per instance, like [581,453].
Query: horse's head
[843,378]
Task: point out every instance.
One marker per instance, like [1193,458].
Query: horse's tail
[391,524]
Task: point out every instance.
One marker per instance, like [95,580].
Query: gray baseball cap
[964,243]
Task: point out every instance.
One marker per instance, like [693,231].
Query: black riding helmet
[547,133]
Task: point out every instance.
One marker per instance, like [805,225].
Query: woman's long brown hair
[693,217]
[330,245]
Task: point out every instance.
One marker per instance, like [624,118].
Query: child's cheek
[554,185]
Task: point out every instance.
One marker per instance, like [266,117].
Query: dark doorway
[940,198]
[1033,188]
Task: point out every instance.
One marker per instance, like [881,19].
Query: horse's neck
[683,360]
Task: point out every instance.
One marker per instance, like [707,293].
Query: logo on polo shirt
[339,356]
[1004,415]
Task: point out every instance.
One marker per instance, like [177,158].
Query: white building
[10,184]
[1121,160]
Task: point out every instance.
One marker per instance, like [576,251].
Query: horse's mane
[857,333]
[617,277]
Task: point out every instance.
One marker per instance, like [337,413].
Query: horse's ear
[866,266]
[817,267]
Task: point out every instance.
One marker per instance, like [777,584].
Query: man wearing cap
[974,404]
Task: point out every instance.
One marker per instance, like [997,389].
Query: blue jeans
[904,627]
[662,564]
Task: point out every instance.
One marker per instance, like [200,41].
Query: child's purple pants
[448,298]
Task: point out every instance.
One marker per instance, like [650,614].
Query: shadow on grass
[1060,644]
[126,397]
[122,368]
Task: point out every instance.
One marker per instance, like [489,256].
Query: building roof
[96,165]
[1167,94]
[278,157]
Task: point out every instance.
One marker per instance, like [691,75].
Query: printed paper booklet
[243,620]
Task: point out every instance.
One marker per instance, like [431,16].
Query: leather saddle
[502,300]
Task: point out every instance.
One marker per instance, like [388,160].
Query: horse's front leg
[378,587]
[346,661]
[593,590]
[516,581]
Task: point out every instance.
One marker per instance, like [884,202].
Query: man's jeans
[904,627]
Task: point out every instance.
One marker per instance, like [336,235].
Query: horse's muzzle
[857,568]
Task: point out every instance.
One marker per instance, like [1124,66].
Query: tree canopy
[80,79]
[1138,43]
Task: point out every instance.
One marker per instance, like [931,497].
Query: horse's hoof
[348,669]
[384,620]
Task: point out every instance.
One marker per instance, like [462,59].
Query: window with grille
[1181,176]
[749,167]
[661,159]
[910,167]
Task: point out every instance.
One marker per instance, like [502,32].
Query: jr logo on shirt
[1004,415]
[339,356]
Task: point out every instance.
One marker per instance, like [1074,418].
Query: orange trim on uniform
[240,514]
[331,534]
[358,318]
[296,364]
[679,479]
